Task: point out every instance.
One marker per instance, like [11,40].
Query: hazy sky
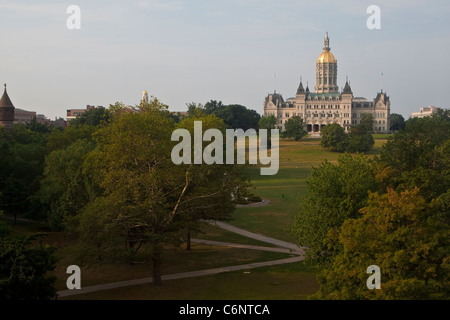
[234,51]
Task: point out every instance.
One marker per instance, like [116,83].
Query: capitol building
[326,104]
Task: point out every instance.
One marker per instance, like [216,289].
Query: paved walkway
[114,285]
[242,246]
[257,236]
[282,246]
[263,202]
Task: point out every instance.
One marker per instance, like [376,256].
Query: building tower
[326,70]
[6,111]
[144,97]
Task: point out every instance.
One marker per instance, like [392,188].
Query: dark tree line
[109,180]
[234,116]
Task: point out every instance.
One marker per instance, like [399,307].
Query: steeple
[347,89]
[300,87]
[6,111]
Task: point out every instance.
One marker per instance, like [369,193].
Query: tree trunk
[157,269]
[188,240]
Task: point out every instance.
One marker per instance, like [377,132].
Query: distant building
[73,113]
[326,104]
[58,122]
[42,119]
[6,111]
[131,109]
[184,114]
[23,116]
[424,112]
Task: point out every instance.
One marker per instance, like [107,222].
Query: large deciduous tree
[334,137]
[335,193]
[147,199]
[65,187]
[295,128]
[22,157]
[359,139]
[406,237]
[397,122]
[403,227]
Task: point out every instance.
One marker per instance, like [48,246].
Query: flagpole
[381,82]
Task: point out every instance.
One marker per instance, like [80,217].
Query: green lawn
[283,189]
[295,281]
[201,257]
[286,187]
[381,135]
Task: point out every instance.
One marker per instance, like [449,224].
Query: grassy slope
[284,189]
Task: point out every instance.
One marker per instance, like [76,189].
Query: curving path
[282,246]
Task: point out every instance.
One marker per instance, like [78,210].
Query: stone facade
[327,104]
[424,112]
[23,116]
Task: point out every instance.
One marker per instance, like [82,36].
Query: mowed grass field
[283,189]
[289,281]
[297,158]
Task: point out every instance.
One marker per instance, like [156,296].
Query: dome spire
[326,42]
[326,70]
[144,98]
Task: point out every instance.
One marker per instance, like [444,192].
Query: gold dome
[326,57]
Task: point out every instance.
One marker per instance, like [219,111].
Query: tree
[195,109]
[147,197]
[93,117]
[5,229]
[267,122]
[335,193]
[22,158]
[211,107]
[360,137]
[397,122]
[35,126]
[334,138]
[237,116]
[295,128]
[24,268]
[402,226]
[218,206]
[417,156]
[65,188]
[358,140]
[60,139]
[406,237]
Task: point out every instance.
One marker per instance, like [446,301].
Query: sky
[234,51]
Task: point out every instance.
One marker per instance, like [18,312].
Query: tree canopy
[147,199]
[295,128]
[234,116]
[391,211]
[359,139]
[397,122]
